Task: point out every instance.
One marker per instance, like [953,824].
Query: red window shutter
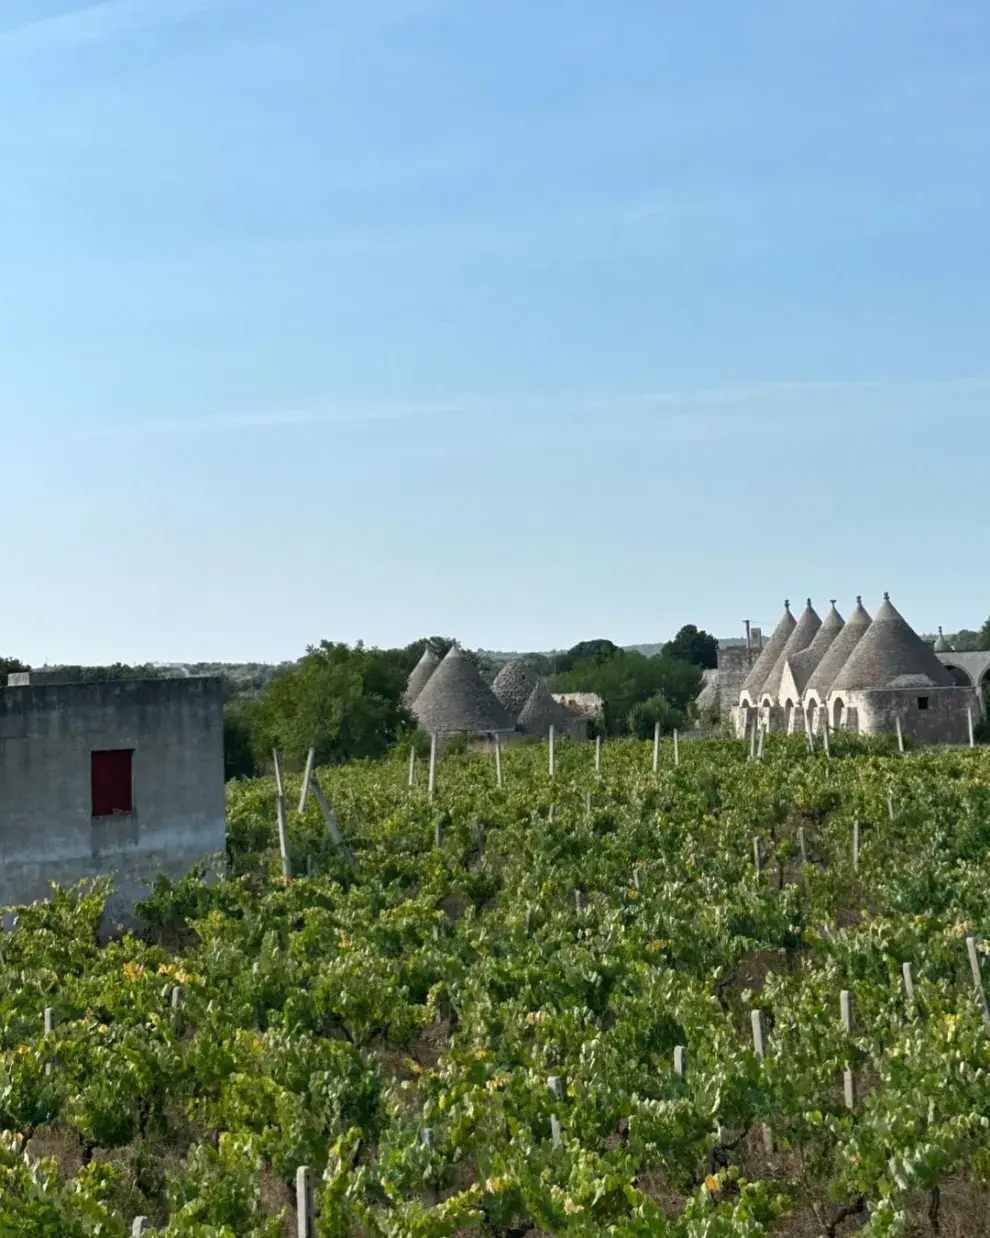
[112,785]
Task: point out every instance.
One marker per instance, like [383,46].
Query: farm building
[862,675]
[456,700]
[120,777]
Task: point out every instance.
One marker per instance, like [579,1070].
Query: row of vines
[528,1009]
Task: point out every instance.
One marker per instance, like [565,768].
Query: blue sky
[523,322]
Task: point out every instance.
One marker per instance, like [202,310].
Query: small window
[922,702]
[112,782]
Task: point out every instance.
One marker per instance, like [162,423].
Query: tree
[411,654]
[644,717]
[347,702]
[10,666]
[693,645]
[984,636]
[629,678]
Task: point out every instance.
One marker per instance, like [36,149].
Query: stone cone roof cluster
[802,634]
[839,651]
[456,698]
[764,664]
[804,664]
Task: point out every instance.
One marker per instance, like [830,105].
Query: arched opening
[963,680]
[984,690]
[838,714]
[788,716]
[811,713]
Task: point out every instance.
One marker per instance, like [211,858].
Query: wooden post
[802,845]
[412,766]
[908,982]
[900,735]
[331,821]
[305,1212]
[598,754]
[498,762]
[848,1078]
[677,751]
[855,846]
[969,719]
[550,753]
[757,857]
[283,835]
[679,1060]
[307,774]
[279,789]
[756,1019]
[656,748]
[432,784]
[974,965]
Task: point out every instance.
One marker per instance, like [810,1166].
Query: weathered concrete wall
[943,722]
[47,735]
[734,664]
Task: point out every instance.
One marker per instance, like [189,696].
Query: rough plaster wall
[734,664]
[943,722]
[47,734]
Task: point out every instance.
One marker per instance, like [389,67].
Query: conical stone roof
[420,675]
[456,698]
[514,685]
[941,644]
[838,652]
[891,655]
[802,634]
[764,664]
[708,697]
[804,664]
[541,712]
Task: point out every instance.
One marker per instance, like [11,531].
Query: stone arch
[963,678]
[788,716]
[811,714]
[838,714]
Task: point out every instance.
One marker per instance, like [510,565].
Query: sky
[518,321]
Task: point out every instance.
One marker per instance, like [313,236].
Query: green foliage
[626,679]
[394,1027]
[347,702]
[695,646]
[983,639]
[239,726]
[644,717]
[10,666]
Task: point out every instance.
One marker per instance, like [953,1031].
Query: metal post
[969,719]
[848,1078]
[412,766]
[677,753]
[305,1218]
[900,735]
[307,774]
[598,754]
[498,762]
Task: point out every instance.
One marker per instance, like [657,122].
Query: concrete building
[866,676]
[122,777]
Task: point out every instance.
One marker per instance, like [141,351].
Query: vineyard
[731,997]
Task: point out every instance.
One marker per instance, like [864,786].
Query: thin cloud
[770,398]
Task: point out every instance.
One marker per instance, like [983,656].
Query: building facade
[123,778]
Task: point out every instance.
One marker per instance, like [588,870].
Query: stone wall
[48,733]
[943,721]
[734,664]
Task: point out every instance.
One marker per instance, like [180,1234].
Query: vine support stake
[802,844]
[752,738]
[277,765]
[479,838]
[756,1019]
[656,747]
[331,821]
[305,1211]
[550,814]
[969,723]
[759,746]
[825,741]
[679,1060]
[139,1226]
[757,856]
[677,750]
[498,762]
[283,836]
[974,966]
[307,775]
[437,834]
[638,878]
[855,847]
[579,902]
[555,1133]
[529,921]
[432,785]
[890,805]
[551,764]
[908,979]
[587,803]
[556,1086]
[900,735]
[848,1078]
[49,1027]
[412,766]
[598,754]
[176,999]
